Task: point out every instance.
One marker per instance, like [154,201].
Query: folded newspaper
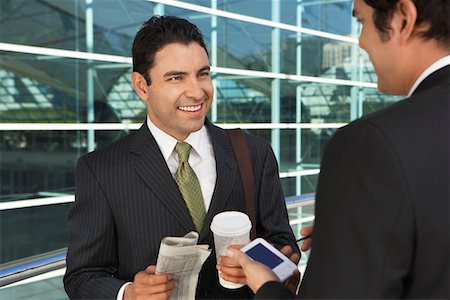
[183,258]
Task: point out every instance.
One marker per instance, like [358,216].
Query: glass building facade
[289,71]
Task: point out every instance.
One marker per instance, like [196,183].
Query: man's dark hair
[158,32]
[435,13]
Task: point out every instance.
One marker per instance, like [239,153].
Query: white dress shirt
[439,64]
[201,159]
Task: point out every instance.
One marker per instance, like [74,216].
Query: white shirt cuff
[122,291]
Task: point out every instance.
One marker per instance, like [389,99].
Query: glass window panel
[312,150]
[243,45]
[54,24]
[39,88]
[37,162]
[293,186]
[329,16]
[312,143]
[43,89]
[206,3]
[259,9]
[243,99]
[116,25]
[49,289]
[30,231]
[118,102]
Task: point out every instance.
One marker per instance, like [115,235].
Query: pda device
[260,250]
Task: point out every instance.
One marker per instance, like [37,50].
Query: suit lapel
[152,168]
[226,169]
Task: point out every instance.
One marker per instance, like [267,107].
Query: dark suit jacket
[382,206]
[127,200]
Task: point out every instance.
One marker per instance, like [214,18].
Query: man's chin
[195,126]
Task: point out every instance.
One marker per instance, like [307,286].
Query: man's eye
[175,78]
[204,74]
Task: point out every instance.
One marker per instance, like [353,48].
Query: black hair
[158,32]
[434,13]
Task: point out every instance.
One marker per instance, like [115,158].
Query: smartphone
[263,252]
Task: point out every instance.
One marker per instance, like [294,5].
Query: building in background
[289,71]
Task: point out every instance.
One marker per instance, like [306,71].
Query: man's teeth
[190,108]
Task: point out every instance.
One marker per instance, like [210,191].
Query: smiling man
[181,90]
[382,204]
[129,195]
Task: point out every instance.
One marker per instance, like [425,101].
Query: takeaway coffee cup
[230,228]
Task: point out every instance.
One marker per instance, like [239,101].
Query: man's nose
[194,90]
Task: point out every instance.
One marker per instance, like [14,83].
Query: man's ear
[404,20]
[140,85]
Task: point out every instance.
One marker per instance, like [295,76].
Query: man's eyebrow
[174,73]
[205,68]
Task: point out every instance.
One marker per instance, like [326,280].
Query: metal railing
[16,271]
[22,269]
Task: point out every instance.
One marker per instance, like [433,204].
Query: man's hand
[148,285]
[294,280]
[254,274]
[306,231]
[230,269]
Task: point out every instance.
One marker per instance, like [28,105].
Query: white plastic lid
[231,223]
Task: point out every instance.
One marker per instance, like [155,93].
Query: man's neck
[419,58]
[440,63]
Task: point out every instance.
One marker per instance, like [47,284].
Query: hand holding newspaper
[183,259]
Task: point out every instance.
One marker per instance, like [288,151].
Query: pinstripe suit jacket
[127,201]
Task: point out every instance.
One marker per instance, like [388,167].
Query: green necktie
[189,186]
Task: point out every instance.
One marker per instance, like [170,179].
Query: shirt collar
[197,140]
[166,142]
[445,61]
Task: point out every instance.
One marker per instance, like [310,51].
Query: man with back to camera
[382,207]
[127,198]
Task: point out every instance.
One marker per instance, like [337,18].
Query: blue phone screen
[264,255]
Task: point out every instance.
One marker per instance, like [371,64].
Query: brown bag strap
[242,155]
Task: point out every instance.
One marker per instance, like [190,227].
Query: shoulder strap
[242,155]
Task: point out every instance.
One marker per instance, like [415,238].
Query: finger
[307,230]
[239,256]
[230,278]
[306,245]
[161,288]
[231,271]
[237,246]
[150,294]
[227,261]
[286,250]
[151,279]
[151,269]
[142,287]
[292,283]
[294,257]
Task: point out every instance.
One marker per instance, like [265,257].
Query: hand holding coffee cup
[230,228]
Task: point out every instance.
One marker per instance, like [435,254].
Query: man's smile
[190,108]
